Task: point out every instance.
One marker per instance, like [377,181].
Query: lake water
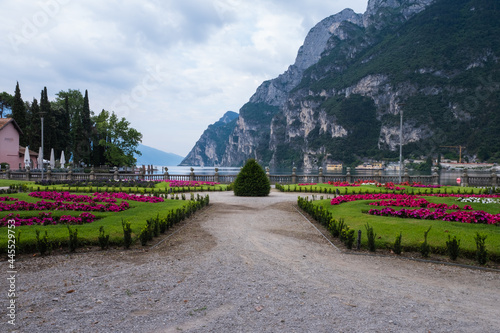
[448,177]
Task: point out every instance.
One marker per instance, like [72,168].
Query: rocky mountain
[209,149]
[436,61]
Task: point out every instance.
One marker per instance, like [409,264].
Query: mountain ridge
[153,156]
[435,61]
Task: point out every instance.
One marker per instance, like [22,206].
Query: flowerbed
[478,216]
[464,215]
[479,200]
[45,218]
[189,183]
[342,184]
[64,201]
[97,197]
[7,199]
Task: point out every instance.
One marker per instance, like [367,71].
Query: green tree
[74,100]
[252,181]
[34,135]
[50,123]
[6,101]
[119,141]
[87,129]
[81,128]
[77,139]
[70,125]
[19,114]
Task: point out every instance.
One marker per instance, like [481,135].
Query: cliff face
[435,61]
[209,149]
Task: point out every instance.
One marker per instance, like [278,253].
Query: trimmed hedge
[252,181]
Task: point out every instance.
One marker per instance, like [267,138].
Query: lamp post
[41,117]
[400,140]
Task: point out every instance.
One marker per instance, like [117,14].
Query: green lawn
[88,233]
[8,182]
[413,230]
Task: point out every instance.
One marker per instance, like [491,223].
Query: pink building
[10,150]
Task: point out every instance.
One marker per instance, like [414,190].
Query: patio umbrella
[26,157]
[52,159]
[40,160]
[63,159]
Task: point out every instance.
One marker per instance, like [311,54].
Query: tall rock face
[209,149]
[436,61]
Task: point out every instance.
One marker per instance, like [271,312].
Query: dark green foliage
[6,101]
[19,114]
[397,248]
[371,235]
[481,252]
[127,234]
[336,227]
[18,241]
[73,239]
[252,181]
[103,239]
[156,228]
[144,235]
[453,247]
[348,237]
[425,249]
[42,243]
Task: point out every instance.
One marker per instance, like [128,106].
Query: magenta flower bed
[189,183]
[97,197]
[45,218]
[424,212]
[59,205]
[426,186]
[477,216]
[343,184]
[7,199]
[64,201]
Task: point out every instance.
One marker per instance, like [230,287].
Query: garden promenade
[249,265]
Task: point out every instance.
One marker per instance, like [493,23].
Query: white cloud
[170,67]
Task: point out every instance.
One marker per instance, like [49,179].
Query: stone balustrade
[293,178]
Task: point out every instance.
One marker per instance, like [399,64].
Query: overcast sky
[170,67]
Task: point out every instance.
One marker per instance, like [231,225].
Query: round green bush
[252,181]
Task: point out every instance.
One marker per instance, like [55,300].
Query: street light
[41,117]
[400,140]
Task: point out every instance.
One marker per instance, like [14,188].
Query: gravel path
[249,265]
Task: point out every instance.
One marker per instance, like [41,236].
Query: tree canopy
[70,126]
[118,139]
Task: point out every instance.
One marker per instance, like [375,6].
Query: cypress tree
[87,129]
[50,123]
[77,136]
[35,126]
[19,115]
[65,127]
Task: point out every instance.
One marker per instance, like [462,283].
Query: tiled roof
[5,121]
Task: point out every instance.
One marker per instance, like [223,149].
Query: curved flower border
[464,215]
[64,201]
[45,218]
